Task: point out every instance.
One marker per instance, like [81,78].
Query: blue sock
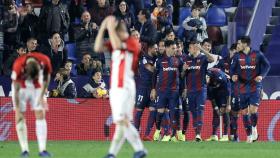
[175,114]
[137,119]
[151,121]
[166,123]
[186,121]
[254,119]
[215,122]
[159,120]
[226,120]
[199,121]
[233,124]
[247,124]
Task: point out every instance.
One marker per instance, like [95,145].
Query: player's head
[194,47]
[161,46]
[122,31]
[97,75]
[31,44]
[170,48]
[135,34]
[207,44]
[232,49]
[152,49]
[180,46]
[32,68]
[243,43]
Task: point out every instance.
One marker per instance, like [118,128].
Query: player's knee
[40,115]
[19,116]
[253,109]
[152,108]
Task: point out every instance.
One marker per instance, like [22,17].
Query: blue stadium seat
[184,13]
[71,49]
[223,3]
[216,16]
[247,3]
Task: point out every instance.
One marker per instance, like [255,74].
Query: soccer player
[194,71]
[166,87]
[248,69]
[219,92]
[125,51]
[144,87]
[30,80]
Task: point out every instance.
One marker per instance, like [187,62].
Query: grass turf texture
[87,149]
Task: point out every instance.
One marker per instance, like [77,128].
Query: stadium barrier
[85,119]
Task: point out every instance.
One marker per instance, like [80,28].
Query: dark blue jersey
[196,72]
[145,76]
[224,64]
[167,74]
[248,67]
[219,80]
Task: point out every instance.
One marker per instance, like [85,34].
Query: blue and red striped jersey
[219,80]
[168,70]
[248,67]
[196,72]
[145,76]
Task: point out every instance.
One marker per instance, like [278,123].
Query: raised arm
[114,39]
[99,41]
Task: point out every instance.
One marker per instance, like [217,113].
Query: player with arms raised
[31,77]
[125,51]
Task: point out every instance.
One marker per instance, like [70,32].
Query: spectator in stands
[56,51]
[147,29]
[68,67]
[8,65]
[123,13]
[10,25]
[100,11]
[85,67]
[76,10]
[54,17]
[95,87]
[85,35]
[31,44]
[161,47]
[135,34]
[195,26]
[66,87]
[180,47]
[162,15]
[28,23]
[170,35]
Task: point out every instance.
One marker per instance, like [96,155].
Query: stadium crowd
[155,25]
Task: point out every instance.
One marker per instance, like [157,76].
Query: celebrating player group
[170,82]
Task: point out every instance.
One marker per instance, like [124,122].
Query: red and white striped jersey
[124,63]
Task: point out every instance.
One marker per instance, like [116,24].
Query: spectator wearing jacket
[88,65]
[31,44]
[162,15]
[94,86]
[85,35]
[54,17]
[65,86]
[123,13]
[100,11]
[55,51]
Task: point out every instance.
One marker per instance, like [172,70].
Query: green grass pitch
[92,149]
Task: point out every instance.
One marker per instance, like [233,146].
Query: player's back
[124,64]
[145,76]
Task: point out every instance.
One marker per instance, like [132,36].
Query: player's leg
[200,103]
[161,104]
[215,121]
[20,122]
[141,100]
[253,109]
[165,124]
[186,119]
[222,103]
[175,114]
[151,122]
[234,125]
[244,105]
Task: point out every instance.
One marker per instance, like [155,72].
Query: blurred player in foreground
[31,77]
[125,52]
[248,68]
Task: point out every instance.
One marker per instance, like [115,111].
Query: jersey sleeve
[17,68]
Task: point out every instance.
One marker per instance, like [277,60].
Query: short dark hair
[20,45]
[30,38]
[245,39]
[233,46]
[208,40]
[96,70]
[195,7]
[169,43]
[69,61]
[53,33]
[146,12]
